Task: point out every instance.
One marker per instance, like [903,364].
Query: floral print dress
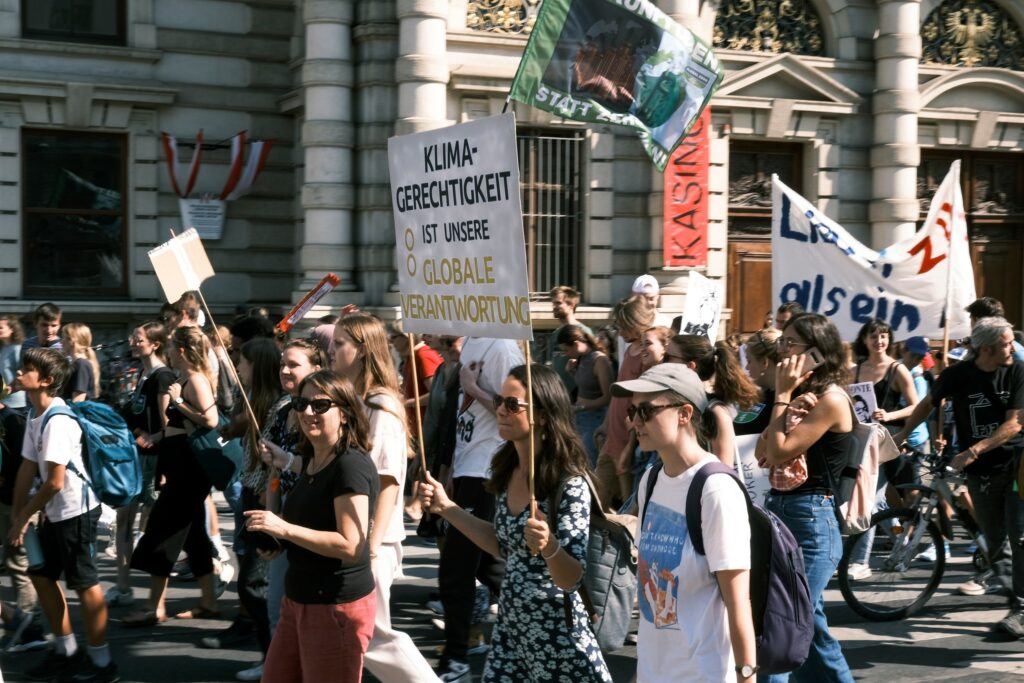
[531,642]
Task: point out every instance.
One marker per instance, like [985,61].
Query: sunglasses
[785,343]
[646,410]
[319,405]
[511,403]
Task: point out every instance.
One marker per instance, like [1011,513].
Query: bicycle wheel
[894,585]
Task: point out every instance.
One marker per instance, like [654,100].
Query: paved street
[950,640]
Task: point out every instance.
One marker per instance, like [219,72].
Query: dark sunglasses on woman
[511,403]
[319,405]
[646,410]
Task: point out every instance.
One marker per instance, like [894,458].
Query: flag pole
[529,415]
[416,405]
[957,209]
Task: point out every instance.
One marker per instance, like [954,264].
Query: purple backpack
[779,595]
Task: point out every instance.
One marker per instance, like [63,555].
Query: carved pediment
[788,77]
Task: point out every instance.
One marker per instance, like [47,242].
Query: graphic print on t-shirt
[661,550]
[980,406]
[746,416]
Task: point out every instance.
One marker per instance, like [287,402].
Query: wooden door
[750,283]
[998,266]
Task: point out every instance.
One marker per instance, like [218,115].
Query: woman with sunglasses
[178,518]
[362,356]
[762,351]
[328,610]
[732,388]
[823,435]
[531,641]
[695,614]
[592,372]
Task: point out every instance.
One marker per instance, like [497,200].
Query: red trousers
[320,643]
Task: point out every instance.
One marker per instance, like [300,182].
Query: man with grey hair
[987,391]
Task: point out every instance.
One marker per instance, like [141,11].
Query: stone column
[422,66]
[895,155]
[327,135]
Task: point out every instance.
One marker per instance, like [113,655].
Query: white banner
[818,264]
[181,264]
[703,307]
[459,230]
[864,402]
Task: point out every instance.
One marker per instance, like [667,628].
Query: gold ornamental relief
[971,33]
[769,26]
[502,16]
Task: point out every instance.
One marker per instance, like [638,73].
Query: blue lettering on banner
[820,232]
[814,295]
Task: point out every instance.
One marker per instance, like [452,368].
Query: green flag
[618,61]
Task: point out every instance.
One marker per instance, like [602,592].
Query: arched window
[972,33]
[769,26]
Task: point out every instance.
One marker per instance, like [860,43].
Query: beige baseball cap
[666,377]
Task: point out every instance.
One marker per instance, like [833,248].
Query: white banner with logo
[703,307]
[459,230]
[818,264]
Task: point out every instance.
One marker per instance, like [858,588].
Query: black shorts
[69,548]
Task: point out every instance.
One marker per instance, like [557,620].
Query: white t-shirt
[60,444]
[476,433]
[388,452]
[684,627]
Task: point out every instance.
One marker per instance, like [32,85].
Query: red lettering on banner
[928,261]
[686,201]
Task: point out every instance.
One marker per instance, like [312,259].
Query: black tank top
[826,459]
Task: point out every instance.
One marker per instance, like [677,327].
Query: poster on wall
[459,230]
[205,215]
[685,209]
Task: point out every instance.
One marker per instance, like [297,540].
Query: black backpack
[780,597]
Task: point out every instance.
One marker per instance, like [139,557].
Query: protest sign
[459,230]
[685,208]
[621,62]
[864,402]
[181,264]
[818,264]
[703,307]
[754,477]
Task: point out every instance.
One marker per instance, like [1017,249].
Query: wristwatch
[178,401]
[746,671]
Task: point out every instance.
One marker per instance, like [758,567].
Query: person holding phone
[813,367]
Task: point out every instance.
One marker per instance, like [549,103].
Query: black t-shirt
[313,578]
[81,381]
[755,420]
[143,411]
[980,401]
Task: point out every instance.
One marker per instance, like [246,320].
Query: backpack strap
[693,500]
[70,467]
[652,480]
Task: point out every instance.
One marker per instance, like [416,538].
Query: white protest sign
[459,230]
[864,402]
[703,307]
[818,264]
[181,264]
[754,477]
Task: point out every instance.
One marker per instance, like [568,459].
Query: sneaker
[240,631]
[253,673]
[971,549]
[927,555]
[981,584]
[858,572]
[14,630]
[454,671]
[54,665]
[32,639]
[1013,623]
[477,646]
[88,672]
[438,623]
[436,607]
[115,597]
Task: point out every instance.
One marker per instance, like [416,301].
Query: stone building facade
[858,104]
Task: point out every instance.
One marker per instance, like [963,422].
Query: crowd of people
[332,424]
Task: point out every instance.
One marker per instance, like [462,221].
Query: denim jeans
[812,519]
[1000,514]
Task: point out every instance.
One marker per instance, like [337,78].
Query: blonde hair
[377,374]
[634,313]
[194,347]
[764,344]
[80,338]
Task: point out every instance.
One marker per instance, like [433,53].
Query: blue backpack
[780,598]
[108,451]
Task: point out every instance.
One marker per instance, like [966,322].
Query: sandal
[199,612]
[142,618]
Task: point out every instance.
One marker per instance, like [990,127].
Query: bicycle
[895,586]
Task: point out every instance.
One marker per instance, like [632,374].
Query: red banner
[686,197]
